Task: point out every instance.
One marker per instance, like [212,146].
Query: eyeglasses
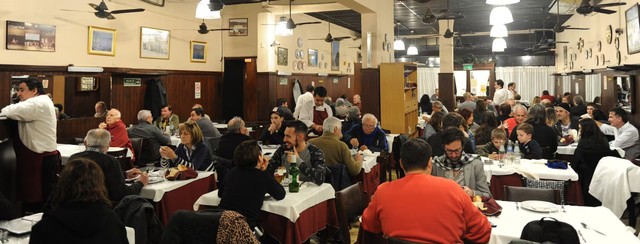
[456,151]
[369,126]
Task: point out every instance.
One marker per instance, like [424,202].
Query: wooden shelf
[398,102]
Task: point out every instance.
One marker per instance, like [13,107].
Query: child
[528,147]
[491,149]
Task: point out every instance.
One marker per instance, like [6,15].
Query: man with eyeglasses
[367,135]
[456,165]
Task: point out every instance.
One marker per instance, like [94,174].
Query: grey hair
[438,104]
[370,116]
[520,106]
[353,113]
[117,112]
[235,125]
[330,124]
[143,115]
[578,100]
[99,138]
[327,100]
[537,114]
[340,102]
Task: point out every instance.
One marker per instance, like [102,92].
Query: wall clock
[617,43]
[599,46]
[609,34]
[300,42]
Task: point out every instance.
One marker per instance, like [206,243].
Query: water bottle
[294,186]
[501,153]
[171,128]
[516,155]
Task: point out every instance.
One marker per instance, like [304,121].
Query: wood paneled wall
[82,104]
[370,91]
[266,102]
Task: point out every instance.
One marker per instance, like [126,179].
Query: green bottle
[294,186]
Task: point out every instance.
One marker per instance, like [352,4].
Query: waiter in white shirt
[501,95]
[313,113]
[302,99]
[36,151]
[626,135]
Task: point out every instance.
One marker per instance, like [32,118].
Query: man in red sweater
[117,129]
[424,208]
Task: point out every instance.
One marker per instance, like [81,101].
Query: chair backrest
[212,143]
[136,143]
[210,226]
[339,177]
[519,194]
[350,202]
[121,156]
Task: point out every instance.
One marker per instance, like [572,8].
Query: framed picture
[239,27]
[313,58]
[87,84]
[155,2]
[283,56]
[564,54]
[335,55]
[102,41]
[30,36]
[633,29]
[198,52]
[154,43]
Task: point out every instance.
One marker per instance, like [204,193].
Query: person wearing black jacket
[425,104]
[79,210]
[436,140]
[245,185]
[97,144]
[236,135]
[274,135]
[546,136]
[565,121]
[155,97]
[580,108]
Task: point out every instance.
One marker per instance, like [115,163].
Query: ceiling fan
[330,38]
[292,25]
[431,18]
[101,11]
[203,29]
[586,7]
[559,28]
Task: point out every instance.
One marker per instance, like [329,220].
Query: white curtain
[530,81]
[427,81]
[592,82]
[566,83]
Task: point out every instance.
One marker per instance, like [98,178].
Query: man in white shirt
[501,95]
[313,113]
[626,135]
[37,154]
[512,90]
[302,99]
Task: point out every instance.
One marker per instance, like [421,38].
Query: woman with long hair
[488,123]
[470,126]
[592,147]
[79,211]
[425,104]
[550,115]
[434,125]
[542,133]
[192,151]
[481,107]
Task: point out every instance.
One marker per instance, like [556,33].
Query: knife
[589,228]
[581,236]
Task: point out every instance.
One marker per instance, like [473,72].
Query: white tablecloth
[531,169]
[369,161]
[156,191]
[290,207]
[390,138]
[220,126]
[66,150]
[33,219]
[571,149]
[511,222]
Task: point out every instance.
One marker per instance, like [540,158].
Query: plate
[156,179]
[17,226]
[539,206]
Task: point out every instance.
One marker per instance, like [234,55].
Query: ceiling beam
[303,8]
[513,32]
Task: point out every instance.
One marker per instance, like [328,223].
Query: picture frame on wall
[633,29]
[335,55]
[30,36]
[313,58]
[283,56]
[155,2]
[101,41]
[239,27]
[154,43]
[198,52]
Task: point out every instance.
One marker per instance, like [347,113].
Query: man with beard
[309,158]
[459,166]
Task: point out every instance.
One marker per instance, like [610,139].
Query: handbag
[184,174]
[549,229]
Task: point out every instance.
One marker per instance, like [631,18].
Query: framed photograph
[283,56]
[155,2]
[240,27]
[198,52]
[154,43]
[633,29]
[102,41]
[564,54]
[335,55]
[313,58]
[87,84]
[30,36]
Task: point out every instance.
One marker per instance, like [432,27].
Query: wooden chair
[121,156]
[137,150]
[350,202]
[519,194]
[212,143]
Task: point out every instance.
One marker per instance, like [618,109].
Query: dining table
[570,149]
[593,224]
[295,218]
[370,173]
[171,196]
[20,229]
[499,176]
[66,150]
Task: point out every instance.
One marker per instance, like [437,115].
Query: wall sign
[132,82]
[198,90]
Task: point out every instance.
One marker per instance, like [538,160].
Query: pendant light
[499,31]
[499,45]
[502,2]
[281,28]
[500,15]
[398,44]
[208,9]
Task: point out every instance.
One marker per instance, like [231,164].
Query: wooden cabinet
[399,98]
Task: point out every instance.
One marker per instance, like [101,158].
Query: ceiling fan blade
[610,4]
[604,11]
[72,10]
[309,23]
[95,6]
[221,29]
[316,39]
[110,17]
[341,38]
[124,11]
[576,28]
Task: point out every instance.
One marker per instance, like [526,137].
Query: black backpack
[549,229]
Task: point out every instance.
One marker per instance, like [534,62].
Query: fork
[517,207]
[563,210]
[589,228]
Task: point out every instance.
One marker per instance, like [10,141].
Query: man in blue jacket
[367,135]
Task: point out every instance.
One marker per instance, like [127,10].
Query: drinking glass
[164,163]
[150,168]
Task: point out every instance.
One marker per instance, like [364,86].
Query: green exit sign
[467,66]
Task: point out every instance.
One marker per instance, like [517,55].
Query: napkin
[367,152]
[526,173]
